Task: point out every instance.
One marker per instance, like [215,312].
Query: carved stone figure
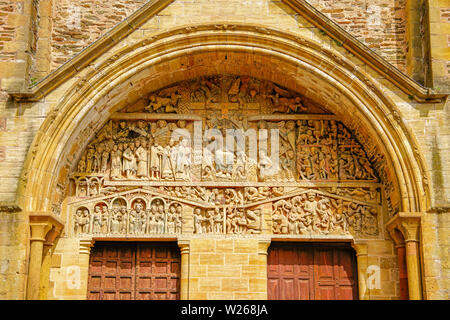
[163,104]
[116,219]
[105,159]
[78,222]
[85,221]
[82,165]
[156,161]
[253,221]
[129,161]
[198,221]
[178,218]
[123,215]
[116,162]
[142,159]
[137,218]
[97,220]
[265,166]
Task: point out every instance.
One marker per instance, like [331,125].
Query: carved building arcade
[223,161]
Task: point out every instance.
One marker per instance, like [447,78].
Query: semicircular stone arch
[319,76]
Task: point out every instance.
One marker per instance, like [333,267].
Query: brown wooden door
[311,272]
[134,271]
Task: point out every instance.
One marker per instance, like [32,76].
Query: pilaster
[361,249]
[408,223]
[185,249]
[40,227]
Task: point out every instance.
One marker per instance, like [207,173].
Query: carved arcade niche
[226,155]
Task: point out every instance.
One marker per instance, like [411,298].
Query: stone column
[403,275]
[263,246]
[401,254]
[362,264]
[408,223]
[40,225]
[46,263]
[84,257]
[410,230]
[184,277]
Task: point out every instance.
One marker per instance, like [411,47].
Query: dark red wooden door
[134,271]
[311,272]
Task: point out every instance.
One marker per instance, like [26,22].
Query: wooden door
[311,272]
[134,271]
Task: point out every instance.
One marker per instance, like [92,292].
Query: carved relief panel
[227,155]
[309,150]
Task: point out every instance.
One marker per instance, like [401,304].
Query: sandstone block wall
[76,24]
[227,269]
[381,24]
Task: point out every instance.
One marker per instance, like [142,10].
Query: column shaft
[34,271]
[185,265]
[263,247]
[361,261]
[403,274]
[45,271]
[412,260]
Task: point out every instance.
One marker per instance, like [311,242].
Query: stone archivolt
[151,144]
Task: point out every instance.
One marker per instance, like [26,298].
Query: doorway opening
[134,271]
[312,271]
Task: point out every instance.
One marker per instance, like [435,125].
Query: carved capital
[408,223]
[263,246]
[44,228]
[360,248]
[397,236]
[185,246]
[410,230]
[51,237]
[85,246]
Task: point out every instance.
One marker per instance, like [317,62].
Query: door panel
[129,271]
[311,272]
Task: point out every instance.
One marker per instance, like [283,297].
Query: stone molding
[10,208]
[263,246]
